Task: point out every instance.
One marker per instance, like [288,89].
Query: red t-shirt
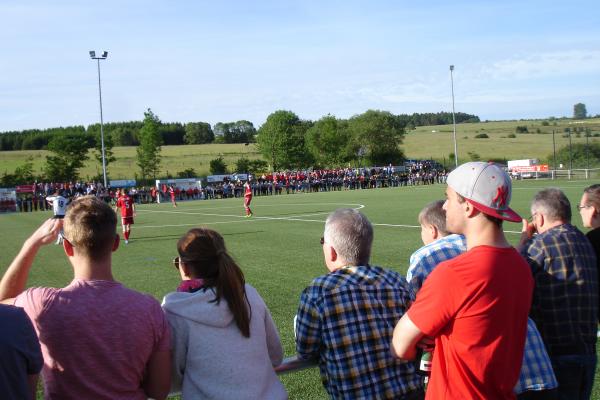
[247,191]
[476,307]
[125,204]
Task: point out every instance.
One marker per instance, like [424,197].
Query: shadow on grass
[171,237]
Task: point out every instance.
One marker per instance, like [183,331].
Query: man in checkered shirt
[565,299]
[346,318]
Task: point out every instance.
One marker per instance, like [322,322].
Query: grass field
[278,249]
[423,143]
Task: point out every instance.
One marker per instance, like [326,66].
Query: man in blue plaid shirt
[536,380]
[346,318]
[565,298]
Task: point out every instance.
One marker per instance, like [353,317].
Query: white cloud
[544,65]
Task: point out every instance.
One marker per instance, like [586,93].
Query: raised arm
[15,278]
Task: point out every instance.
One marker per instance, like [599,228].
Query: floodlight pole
[453,118]
[102,57]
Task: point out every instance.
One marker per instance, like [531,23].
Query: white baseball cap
[486,186]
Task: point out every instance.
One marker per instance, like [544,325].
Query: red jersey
[247,191]
[126,205]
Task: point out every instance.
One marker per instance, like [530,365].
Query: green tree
[579,111]
[328,140]
[242,165]
[148,152]
[69,152]
[281,140]
[236,132]
[187,173]
[198,133]
[581,153]
[217,166]
[380,134]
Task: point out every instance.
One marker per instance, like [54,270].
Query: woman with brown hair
[225,343]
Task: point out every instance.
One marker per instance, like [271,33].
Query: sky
[223,61]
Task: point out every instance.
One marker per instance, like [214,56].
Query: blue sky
[221,61]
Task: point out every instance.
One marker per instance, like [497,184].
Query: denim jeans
[575,376]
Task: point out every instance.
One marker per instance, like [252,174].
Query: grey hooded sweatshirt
[211,357]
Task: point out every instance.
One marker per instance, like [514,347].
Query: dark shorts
[58,217]
[127,220]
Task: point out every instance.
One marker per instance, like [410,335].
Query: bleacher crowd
[501,322]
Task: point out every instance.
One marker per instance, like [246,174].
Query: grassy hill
[436,141]
[423,142]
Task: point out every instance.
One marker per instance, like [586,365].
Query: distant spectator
[100,340]
[225,343]
[346,318]
[21,358]
[565,299]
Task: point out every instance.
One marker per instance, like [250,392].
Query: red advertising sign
[26,189]
[531,168]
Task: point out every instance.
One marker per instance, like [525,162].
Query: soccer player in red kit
[172,193]
[247,198]
[125,203]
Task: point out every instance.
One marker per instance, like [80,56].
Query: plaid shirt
[424,260]
[346,320]
[536,369]
[565,298]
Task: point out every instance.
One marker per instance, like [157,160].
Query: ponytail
[230,285]
[204,251]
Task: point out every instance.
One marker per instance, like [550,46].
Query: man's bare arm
[15,278]
[405,339]
[157,382]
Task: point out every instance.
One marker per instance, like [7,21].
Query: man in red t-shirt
[127,207]
[247,199]
[475,306]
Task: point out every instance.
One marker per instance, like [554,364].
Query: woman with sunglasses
[225,343]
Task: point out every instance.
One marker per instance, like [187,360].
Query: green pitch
[278,249]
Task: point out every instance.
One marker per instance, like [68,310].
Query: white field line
[298,218]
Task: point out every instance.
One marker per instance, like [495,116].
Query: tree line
[176,133]
[285,141]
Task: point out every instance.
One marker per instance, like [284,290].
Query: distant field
[436,141]
[278,249]
[424,142]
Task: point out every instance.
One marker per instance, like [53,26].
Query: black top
[594,238]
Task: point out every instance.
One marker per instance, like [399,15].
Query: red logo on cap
[501,196]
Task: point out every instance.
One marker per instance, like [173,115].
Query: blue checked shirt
[565,298]
[536,370]
[346,320]
[424,260]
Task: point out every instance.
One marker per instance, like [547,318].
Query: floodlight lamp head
[452,68]
[92,54]
[104,54]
